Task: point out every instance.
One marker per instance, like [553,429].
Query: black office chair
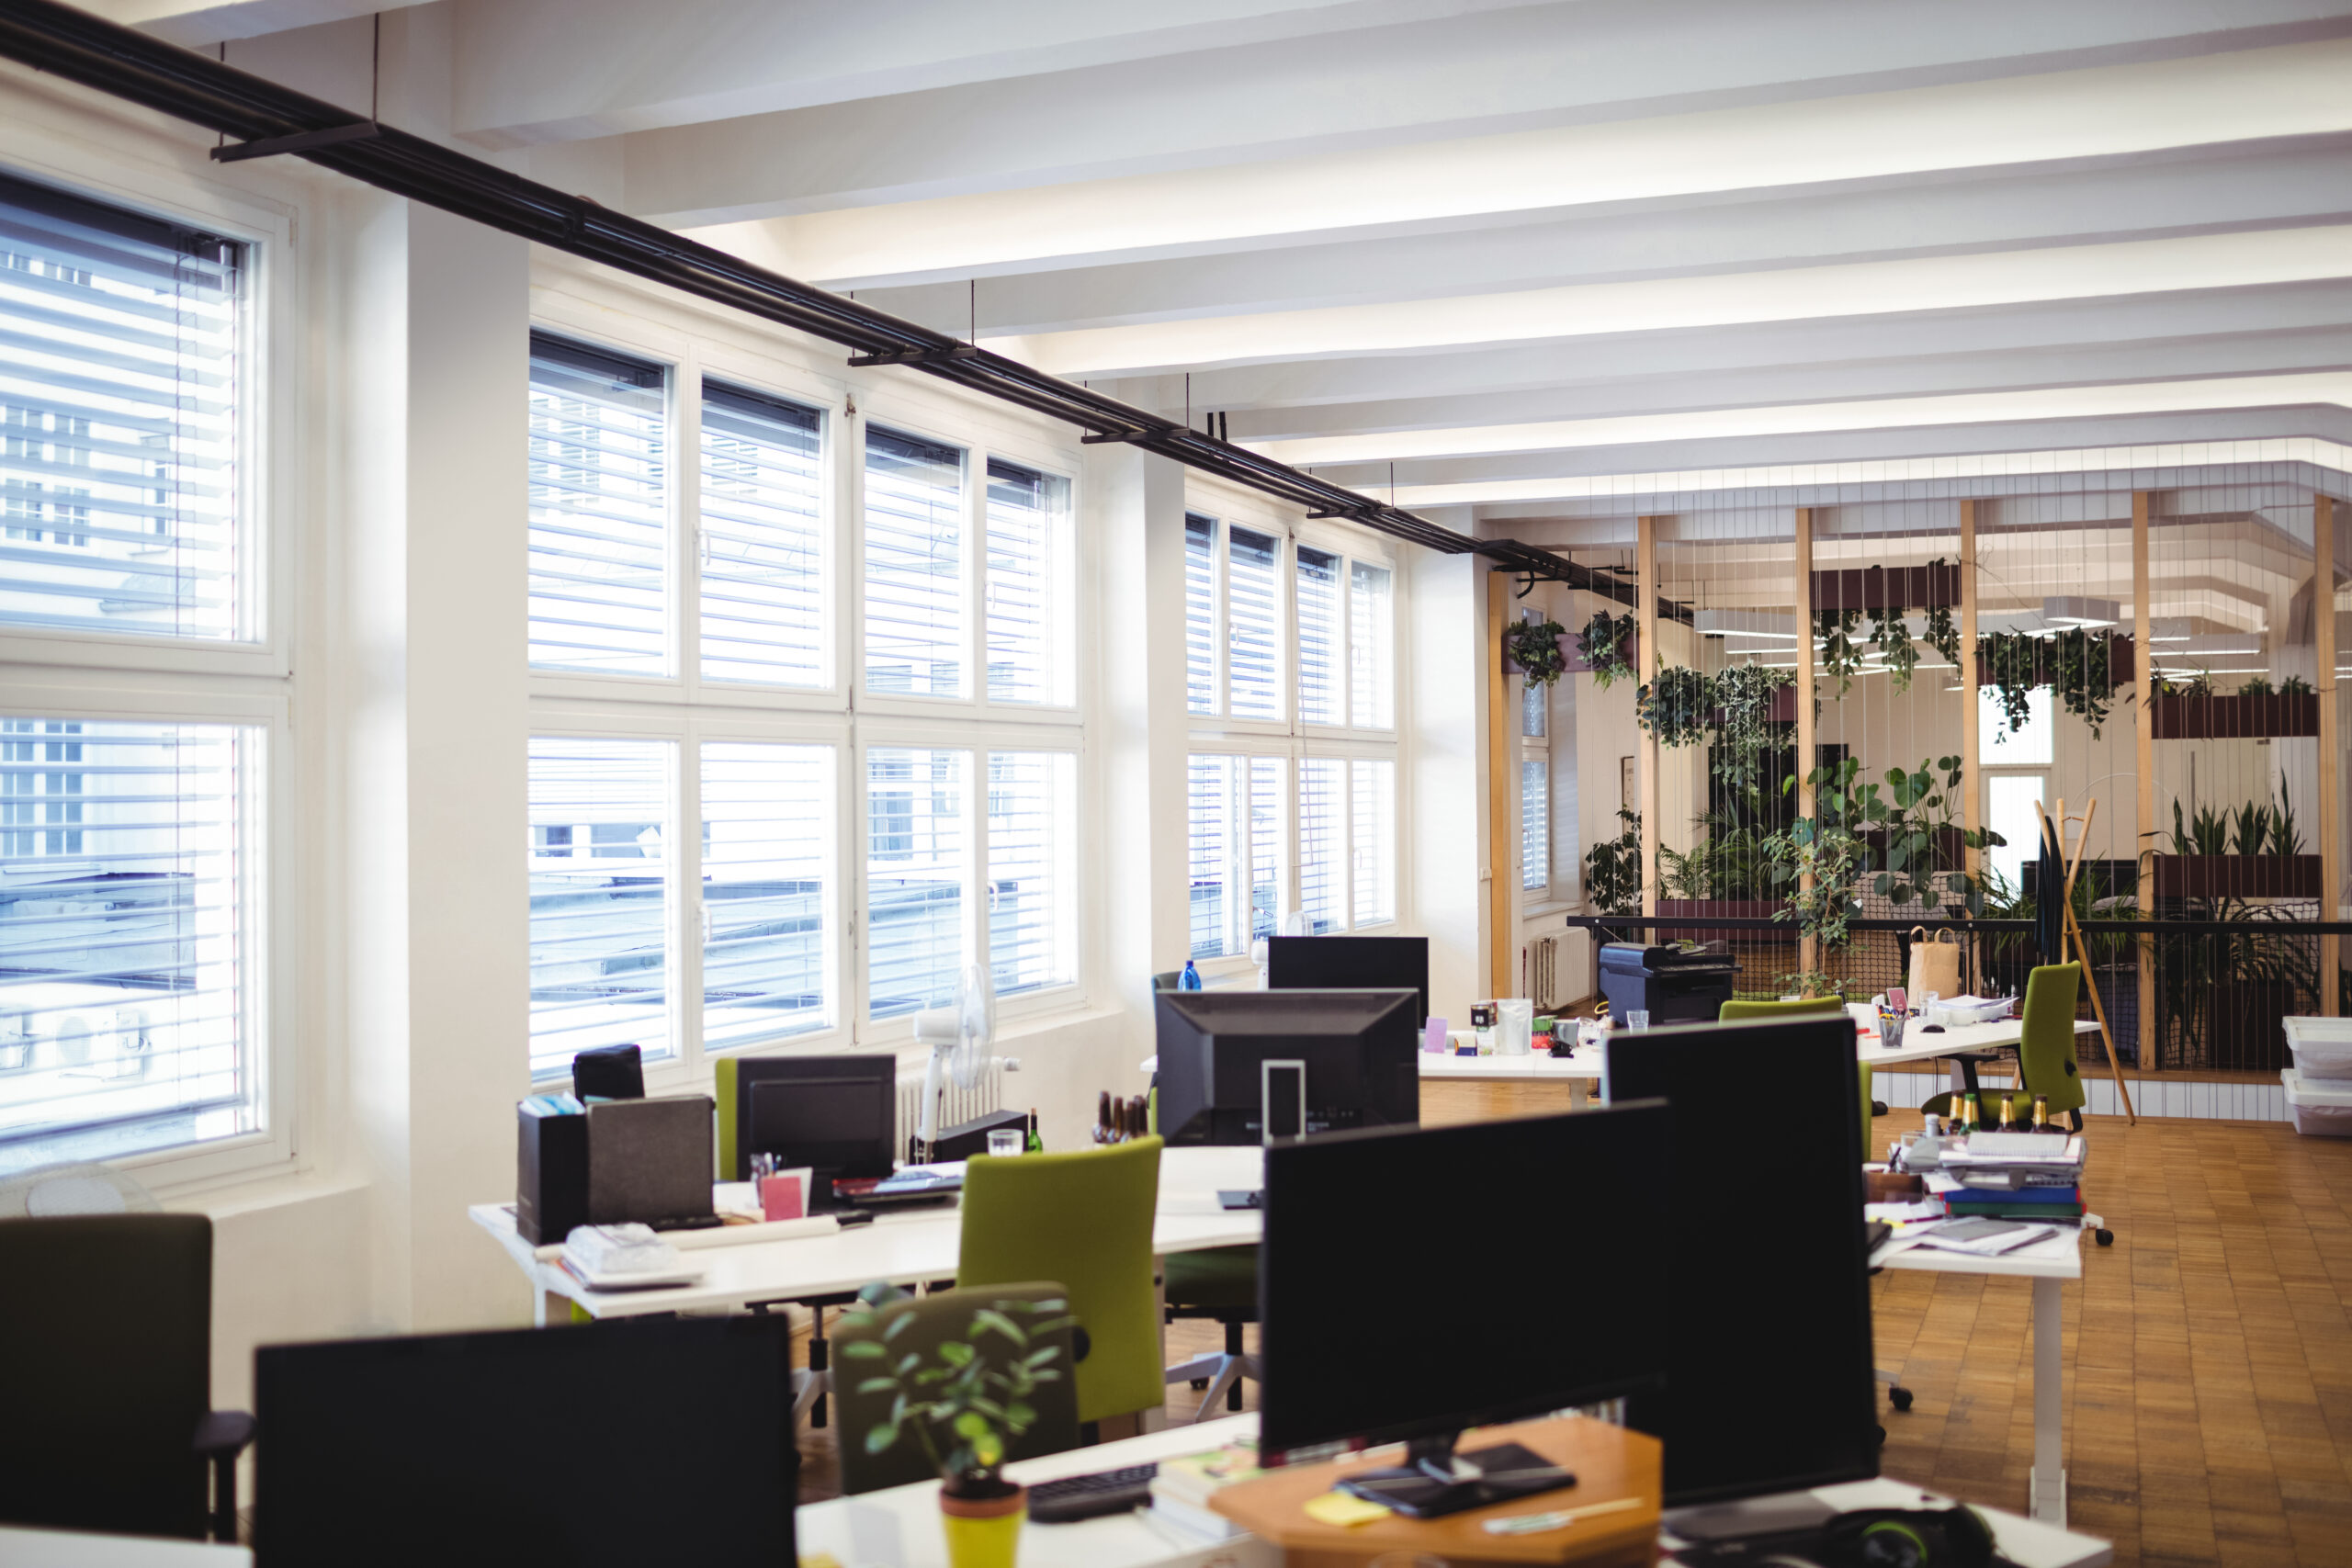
[106,1365]
[1219,1283]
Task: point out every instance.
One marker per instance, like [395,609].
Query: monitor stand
[1779,1513]
[1435,1481]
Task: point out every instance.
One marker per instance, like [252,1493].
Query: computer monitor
[1410,1285]
[627,1443]
[1351,964]
[838,1115]
[1768,1385]
[1360,1049]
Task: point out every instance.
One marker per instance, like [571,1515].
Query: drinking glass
[1004,1141]
[1637,1018]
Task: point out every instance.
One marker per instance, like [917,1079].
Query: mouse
[1931,1029]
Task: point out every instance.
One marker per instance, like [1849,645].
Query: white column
[1139,500]
[432,804]
[1444,837]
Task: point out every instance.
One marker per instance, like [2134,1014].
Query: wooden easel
[2054,831]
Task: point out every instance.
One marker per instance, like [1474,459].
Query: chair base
[1223,1374]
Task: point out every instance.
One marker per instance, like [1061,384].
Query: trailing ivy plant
[1891,633]
[1604,645]
[1840,656]
[2009,661]
[1943,635]
[1535,646]
[1679,708]
[2083,671]
[1744,732]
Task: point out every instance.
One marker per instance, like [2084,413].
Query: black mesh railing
[2222,987]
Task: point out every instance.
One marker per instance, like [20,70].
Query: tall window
[916,873]
[599,532]
[1028,558]
[763,602]
[1031,882]
[1200,614]
[599,897]
[1239,815]
[767,887]
[1322,844]
[121,395]
[914,566]
[1536,824]
[125,861]
[1372,672]
[1253,618]
[1320,642]
[1372,845]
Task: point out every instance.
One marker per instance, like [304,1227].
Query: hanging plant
[2082,673]
[1535,647]
[2009,668]
[1840,656]
[1678,708]
[1943,635]
[1744,732]
[1891,633]
[1602,644]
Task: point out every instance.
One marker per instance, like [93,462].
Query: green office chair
[936,1319]
[2046,1049]
[1219,1283]
[1084,1218]
[106,1372]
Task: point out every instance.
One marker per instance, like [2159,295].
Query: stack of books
[2014,1175]
[1180,1491]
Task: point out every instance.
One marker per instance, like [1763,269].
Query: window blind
[1322,875]
[1026,590]
[1268,811]
[1200,614]
[1373,841]
[1372,662]
[599,870]
[1032,795]
[914,566]
[1210,838]
[767,848]
[915,867]
[599,511]
[1320,631]
[122,381]
[1534,705]
[1253,610]
[122,938]
[762,547]
[1535,825]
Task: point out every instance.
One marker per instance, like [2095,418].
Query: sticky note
[1342,1509]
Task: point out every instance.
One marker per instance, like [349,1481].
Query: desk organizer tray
[2321,1046]
[2320,1110]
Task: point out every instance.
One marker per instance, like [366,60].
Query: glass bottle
[1035,1145]
[2042,1113]
[1972,1120]
[2008,1113]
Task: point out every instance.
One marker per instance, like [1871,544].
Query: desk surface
[1585,1063]
[73,1549]
[2058,1258]
[904,1249]
[1957,1039]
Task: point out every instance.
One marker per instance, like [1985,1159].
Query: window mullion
[693,917]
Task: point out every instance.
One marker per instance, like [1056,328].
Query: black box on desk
[551,1174]
[649,1161]
[968,1138]
[1672,986]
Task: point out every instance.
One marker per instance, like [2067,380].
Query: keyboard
[1088,1496]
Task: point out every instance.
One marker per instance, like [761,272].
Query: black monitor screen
[1361,1050]
[620,1443]
[831,1123]
[1415,1282]
[1351,964]
[1786,1400]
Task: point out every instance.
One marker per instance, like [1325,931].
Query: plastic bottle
[1190,980]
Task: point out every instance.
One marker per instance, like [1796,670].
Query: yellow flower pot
[984,1532]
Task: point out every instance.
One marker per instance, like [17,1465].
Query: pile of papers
[624,1257]
[1180,1491]
[2012,1175]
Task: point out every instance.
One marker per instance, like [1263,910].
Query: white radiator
[955,1103]
[1543,973]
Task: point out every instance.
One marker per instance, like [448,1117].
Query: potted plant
[1607,646]
[1532,649]
[1613,873]
[2255,851]
[2190,710]
[963,1406]
[1678,708]
[1749,700]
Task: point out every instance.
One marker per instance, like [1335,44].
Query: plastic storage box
[2321,1046]
[2323,1109]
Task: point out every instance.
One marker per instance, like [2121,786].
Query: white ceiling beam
[535,70]
[1933,282]
[2107,111]
[193,24]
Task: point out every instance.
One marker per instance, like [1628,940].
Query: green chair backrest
[106,1368]
[1084,1218]
[936,1319]
[726,1090]
[1732,1010]
[2046,1048]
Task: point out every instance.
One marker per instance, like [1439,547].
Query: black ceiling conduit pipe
[266,120]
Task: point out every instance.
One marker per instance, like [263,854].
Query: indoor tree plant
[962,1407]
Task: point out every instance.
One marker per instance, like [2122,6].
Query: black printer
[1672,984]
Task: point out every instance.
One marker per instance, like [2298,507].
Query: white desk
[1126,1541]
[905,1249]
[2047,1264]
[21,1548]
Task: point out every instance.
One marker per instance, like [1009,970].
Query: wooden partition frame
[1647,662]
[2331,788]
[1972,782]
[1502,846]
[2144,759]
[1808,948]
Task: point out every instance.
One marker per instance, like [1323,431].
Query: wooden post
[2144,759]
[2073,858]
[2331,788]
[1808,950]
[1502,845]
[1645,611]
[1970,782]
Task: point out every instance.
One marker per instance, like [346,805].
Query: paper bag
[1935,965]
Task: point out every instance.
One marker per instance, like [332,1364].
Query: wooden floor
[2209,1353]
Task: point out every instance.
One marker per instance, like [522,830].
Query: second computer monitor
[1349,963]
[838,1115]
[1361,1050]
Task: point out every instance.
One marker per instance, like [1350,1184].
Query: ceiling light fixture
[2074,610]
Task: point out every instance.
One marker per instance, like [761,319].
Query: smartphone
[1281,1087]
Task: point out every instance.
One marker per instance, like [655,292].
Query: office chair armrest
[1081,1343]
[221,1437]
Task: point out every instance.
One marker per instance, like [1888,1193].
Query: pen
[1530,1524]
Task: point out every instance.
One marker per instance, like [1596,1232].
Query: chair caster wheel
[1899,1397]
[1881,1436]
[2104,1236]
[1199,1385]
